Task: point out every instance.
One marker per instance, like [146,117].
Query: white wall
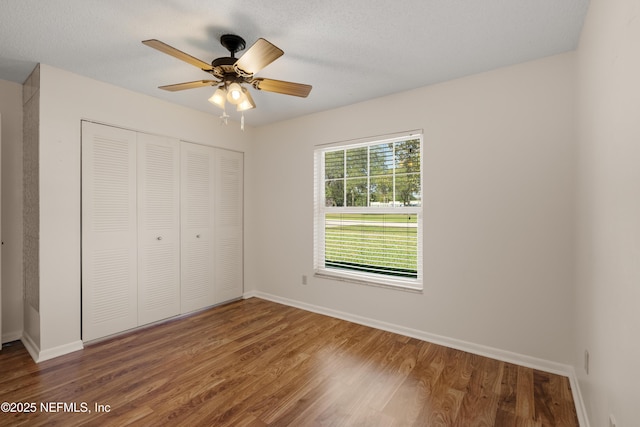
[608,273]
[498,208]
[11,111]
[65,99]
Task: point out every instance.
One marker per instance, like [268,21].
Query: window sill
[398,285]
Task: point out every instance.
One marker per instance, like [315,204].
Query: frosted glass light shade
[248,103]
[234,94]
[219,97]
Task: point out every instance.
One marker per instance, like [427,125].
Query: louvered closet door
[109,237]
[228,217]
[158,228]
[197,190]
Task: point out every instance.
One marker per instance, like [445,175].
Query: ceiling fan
[231,72]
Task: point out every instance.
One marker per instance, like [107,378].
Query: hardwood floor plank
[448,390]
[508,390]
[415,393]
[255,363]
[390,372]
[353,378]
[309,406]
[480,403]
[525,403]
[561,401]
[542,401]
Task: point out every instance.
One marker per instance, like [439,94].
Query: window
[368,211]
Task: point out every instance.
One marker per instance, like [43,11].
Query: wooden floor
[257,363]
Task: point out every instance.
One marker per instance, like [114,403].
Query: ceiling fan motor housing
[223,67]
[232,43]
[224,70]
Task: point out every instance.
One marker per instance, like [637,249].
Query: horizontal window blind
[373,243]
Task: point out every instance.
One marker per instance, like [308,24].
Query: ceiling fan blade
[169,50]
[189,85]
[261,54]
[279,86]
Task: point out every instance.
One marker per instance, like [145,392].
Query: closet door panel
[197,192]
[229,220]
[109,237]
[158,228]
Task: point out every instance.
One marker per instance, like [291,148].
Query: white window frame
[320,210]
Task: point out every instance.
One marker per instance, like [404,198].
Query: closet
[161,228]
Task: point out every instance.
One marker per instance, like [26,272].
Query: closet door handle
[159,238]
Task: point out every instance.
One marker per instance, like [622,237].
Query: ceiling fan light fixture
[219,97]
[235,94]
[231,73]
[248,103]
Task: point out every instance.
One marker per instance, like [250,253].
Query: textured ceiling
[349,51]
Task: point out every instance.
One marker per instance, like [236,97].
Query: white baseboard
[479,349]
[32,348]
[60,350]
[581,409]
[11,336]
[250,294]
[39,355]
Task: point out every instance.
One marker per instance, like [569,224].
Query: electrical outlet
[304,279]
[586,361]
[612,421]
